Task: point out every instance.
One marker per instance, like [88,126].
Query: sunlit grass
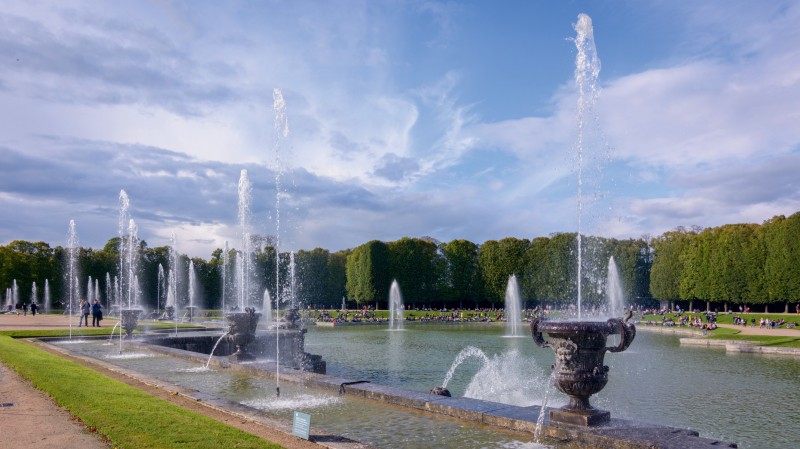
[128,417]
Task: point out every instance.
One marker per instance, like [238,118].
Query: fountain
[72,270]
[580,346]
[128,263]
[615,297]
[513,308]
[266,309]
[396,307]
[47,300]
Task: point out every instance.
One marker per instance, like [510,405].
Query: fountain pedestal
[580,348]
[241,332]
[129,319]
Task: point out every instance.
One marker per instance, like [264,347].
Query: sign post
[301,425]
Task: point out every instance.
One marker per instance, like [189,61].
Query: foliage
[744,264]
[367,269]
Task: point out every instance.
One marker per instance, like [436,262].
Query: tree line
[731,264]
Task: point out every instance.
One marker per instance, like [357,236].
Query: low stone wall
[741,346]
[290,343]
[771,350]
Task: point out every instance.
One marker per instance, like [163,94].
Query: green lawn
[128,417]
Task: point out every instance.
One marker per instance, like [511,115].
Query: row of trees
[742,264]
[455,274]
[738,264]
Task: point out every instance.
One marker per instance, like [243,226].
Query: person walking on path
[34,308]
[97,314]
[84,316]
[25,309]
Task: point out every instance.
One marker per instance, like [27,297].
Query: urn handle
[626,332]
[537,336]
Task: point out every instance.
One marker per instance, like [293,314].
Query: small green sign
[301,425]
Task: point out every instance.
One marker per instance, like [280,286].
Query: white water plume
[508,378]
[301,401]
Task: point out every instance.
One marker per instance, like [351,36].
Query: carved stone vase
[241,332]
[129,319]
[580,348]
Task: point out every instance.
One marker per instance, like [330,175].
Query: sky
[450,120]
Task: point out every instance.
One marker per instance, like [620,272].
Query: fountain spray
[281,133]
[587,70]
[72,269]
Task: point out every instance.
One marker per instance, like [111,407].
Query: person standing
[84,316]
[25,309]
[97,314]
[34,308]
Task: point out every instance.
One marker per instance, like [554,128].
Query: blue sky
[406,118]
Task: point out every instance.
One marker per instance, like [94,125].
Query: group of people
[22,309]
[95,309]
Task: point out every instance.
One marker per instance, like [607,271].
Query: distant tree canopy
[733,264]
[743,264]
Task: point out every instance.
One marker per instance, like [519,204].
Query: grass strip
[128,417]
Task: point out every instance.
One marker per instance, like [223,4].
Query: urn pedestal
[241,332]
[579,372]
[129,319]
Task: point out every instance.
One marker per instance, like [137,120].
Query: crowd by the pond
[705,321]
[367,314]
[424,315]
[708,320]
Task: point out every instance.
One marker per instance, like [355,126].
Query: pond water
[748,399]
[362,420]
[752,400]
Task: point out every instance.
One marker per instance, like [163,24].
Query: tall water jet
[72,270]
[281,133]
[225,259]
[97,290]
[108,292]
[245,269]
[513,308]
[48,302]
[128,263]
[15,292]
[587,71]
[396,307]
[159,288]
[192,291]
[580,346]
[615,295]
[34,293]
[89,290]
[266,310]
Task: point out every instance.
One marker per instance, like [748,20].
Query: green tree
[669,263]
[337,278]
[413,264]
[498,260]
[461,277]
[312,272]
[367,270]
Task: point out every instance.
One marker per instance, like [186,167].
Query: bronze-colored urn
[579,372]
[241,332]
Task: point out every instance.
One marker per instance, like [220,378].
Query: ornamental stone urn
[242,331]
[129,319]
[580,348]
